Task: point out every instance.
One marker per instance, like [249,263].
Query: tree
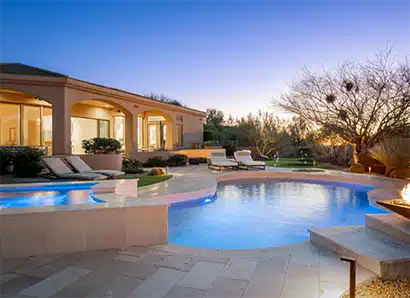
[263,131]
[165,98]
[214,120]
[362,103]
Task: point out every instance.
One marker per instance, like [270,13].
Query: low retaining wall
[30,234]
[191,153]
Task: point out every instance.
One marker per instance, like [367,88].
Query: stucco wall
[193,130]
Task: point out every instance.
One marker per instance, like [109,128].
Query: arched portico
[157,130]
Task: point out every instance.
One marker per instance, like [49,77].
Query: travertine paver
[158,284]
[180,291]
[6,277]
[240,269]
[55,283]
[227,287]
[173,262]
[202,275]
[13,287]
[267,278]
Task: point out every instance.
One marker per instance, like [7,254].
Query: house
[47,109]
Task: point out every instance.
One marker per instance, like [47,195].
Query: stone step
[375,251]
[394,225]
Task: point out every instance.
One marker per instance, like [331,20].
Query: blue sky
[230,55]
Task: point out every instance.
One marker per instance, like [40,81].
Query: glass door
[152,136]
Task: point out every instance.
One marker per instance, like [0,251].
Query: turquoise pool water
[48,195]
[266,214]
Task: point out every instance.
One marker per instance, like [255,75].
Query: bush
[393,153]
[156,161]
[6,159]
[203,160]
[27,163]
[131,166]
[229,149]
[177,160]
[208,136]
[101,146]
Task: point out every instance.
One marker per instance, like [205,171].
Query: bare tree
[362,103]
[263,131]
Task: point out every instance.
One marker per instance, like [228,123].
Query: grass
[295,163]
[145,180]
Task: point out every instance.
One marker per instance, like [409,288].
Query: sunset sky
[230,55]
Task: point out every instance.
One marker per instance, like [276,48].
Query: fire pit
[400,206]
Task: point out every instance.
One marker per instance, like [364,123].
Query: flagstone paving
[300,270]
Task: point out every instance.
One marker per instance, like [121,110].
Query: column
[131,134]
[61,119]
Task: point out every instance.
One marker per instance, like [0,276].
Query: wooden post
[352,263]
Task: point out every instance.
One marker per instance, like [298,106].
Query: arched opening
[97,118]
[156,131]
[25,120]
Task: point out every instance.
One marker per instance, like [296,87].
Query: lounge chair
[244,159]
[218,160]
[81,167]
[60,170]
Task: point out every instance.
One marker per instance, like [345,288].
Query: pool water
[48,195]
[266,214]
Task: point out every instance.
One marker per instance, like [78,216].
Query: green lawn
[145,180]
[295,163]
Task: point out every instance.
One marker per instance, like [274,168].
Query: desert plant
[101,146]
[6,159]
[229,149]
[208,135]
[393,153]
[133,166]
[177,160]
[27,163]
[156,172]
[155,161]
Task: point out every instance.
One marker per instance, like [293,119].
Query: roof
[23,69]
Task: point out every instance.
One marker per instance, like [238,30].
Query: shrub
[208,136]
[101,146]
[177,160]
[155,161]
[27,163]
[130,165]
[229,149]
[203,160]
[156,172]
[393,153]
[6,159]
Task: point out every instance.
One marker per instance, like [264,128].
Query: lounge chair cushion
[219,159]
[81,167]
[244,158]
[60,169]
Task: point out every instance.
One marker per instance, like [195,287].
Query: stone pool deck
[299,270]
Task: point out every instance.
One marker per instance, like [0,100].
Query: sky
[235,56]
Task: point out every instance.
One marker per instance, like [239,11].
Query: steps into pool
[394,225]
[373,250]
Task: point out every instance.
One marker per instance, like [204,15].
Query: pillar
[61,127]
[131,134]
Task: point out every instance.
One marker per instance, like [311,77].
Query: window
[179,138]
[31,126]
[104,128]
[119,132]
[140,129]
[9,124]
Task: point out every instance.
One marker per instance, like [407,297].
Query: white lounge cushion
[219,159]
[81,167]
[60,169]
[245,158]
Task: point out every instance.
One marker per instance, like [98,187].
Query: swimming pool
[265,214]
[48,195]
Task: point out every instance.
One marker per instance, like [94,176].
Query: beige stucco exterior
[70,97]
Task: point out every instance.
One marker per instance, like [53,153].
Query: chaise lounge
[62,171]
[219,161]
[81,167]
[244,159]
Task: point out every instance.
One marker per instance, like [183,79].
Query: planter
[103,161]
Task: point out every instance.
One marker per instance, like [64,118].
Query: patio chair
[218,160]
[81,167]
[244,159]
[62,171]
